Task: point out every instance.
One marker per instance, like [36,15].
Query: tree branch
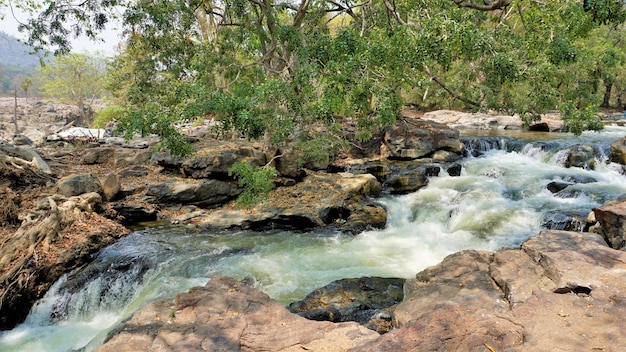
[447,89]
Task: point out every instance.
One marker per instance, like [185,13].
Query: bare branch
[483,5]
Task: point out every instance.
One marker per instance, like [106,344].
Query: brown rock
[111,186]
[226,315]
[618,151]
[612,217]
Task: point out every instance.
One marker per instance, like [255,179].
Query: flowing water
[500,200]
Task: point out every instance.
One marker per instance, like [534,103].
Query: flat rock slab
[226,315]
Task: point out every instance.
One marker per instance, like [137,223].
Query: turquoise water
[499,201]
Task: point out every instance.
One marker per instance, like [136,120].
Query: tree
[73,78]
[27,82]
[289,70]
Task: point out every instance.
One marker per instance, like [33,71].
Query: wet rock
[618,151]
[612,219]
[400,177]
[74,185]
[226,315]
[582,156]
[205,193]
[364,300]
[409,177]
[566,220]
[557,186]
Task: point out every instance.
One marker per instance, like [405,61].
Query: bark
[607,95]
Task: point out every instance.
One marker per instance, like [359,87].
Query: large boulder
[214,161]
[206,193]
[111,187]
[126,157]
[581,155]
[74,185]
[226,315]
[409,139]
[618,151]
[562,290]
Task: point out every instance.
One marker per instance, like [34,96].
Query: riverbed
[500,200]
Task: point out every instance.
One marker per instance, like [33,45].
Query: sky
[80,45]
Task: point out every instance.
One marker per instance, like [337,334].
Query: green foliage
[578,120]
[257,182]
[74,78]
[108,114]
[283,70]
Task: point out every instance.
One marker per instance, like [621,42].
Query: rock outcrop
[367,300]
[612,218]
[226,315]
[320,200]
[560,291]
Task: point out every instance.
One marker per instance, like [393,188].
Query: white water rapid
[501,199]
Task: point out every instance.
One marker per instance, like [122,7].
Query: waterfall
[501,198]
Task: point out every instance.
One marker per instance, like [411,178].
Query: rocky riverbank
[65,200]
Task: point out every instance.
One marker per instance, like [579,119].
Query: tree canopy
[294,69]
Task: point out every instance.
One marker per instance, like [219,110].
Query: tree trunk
[607,95]
[15,113]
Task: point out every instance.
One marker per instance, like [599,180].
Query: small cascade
[477,146]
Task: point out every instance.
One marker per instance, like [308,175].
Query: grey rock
[74,185]
[205,193]
[582,156]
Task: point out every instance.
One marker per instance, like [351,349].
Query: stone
[361,300]
[566,220]
[134,171]
[127,157]
[414,138]
[401,177]
[344,205]
[618,151]
[74,185]
[288,164]
[129,214]
[582,156]
[98,155]
[557,186]
[205,193]
[111,187]
[227,315]
[215,161]
[612,218]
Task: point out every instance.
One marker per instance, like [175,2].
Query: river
[500,199]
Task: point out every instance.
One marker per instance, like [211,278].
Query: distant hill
[15,53]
